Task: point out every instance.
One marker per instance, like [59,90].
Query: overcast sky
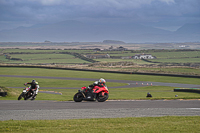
[166,14]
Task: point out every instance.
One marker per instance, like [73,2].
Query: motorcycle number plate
[24,90]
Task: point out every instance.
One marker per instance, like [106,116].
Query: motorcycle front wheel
[20,96]
[78,97]
[102,98]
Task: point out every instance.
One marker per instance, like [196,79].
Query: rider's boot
[34,96]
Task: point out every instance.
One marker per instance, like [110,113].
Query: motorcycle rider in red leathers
[34,88]
[100,83]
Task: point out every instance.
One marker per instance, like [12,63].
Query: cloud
[48,2]
[168,1]
[39,11]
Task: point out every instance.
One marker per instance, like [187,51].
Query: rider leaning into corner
[34,88]
[100,83]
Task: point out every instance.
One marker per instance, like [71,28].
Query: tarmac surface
[51,110]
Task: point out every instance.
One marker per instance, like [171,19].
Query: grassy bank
[138,93]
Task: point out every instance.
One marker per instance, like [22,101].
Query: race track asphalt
[50,110]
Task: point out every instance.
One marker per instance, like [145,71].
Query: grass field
[167,70]
[172,56]
[120,60]
[167,124]
[94,75]
[166,60]
[43,58]
[179,60]
[49,61]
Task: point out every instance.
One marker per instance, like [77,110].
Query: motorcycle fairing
[98,89]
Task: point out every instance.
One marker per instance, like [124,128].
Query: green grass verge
[167,124]
[158,92]
[139,93]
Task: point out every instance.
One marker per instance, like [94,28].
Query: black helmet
[33,81]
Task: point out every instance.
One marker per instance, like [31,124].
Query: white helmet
[101,80]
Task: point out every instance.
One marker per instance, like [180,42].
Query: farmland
[169,60]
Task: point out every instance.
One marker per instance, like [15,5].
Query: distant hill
[189,29]
[74,31]
[113,42]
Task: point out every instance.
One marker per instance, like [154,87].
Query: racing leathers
[96,83]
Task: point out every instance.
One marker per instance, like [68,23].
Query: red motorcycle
[97,93]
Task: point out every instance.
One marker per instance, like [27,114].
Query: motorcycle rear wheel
[101,98]
[78,97]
